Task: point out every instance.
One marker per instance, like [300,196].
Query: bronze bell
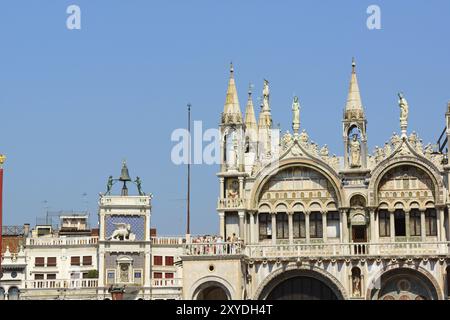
[124,176]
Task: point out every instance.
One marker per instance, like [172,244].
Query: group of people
[205,245]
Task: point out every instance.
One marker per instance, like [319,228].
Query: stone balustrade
[167,283]
[61,284]
[61,241]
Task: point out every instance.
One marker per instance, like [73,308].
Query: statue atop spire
[295,115]
[266,94]
[404,110]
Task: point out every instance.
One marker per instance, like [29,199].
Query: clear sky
[74,103]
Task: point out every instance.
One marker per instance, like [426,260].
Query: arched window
[315,225]
[430,222]
[298,221]
[414,222]
[2,294]
[384,223]
[13,293]
[265,226]
[400,227]
[282,226]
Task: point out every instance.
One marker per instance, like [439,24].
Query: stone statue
[109,185]
[387,149]
[356,286]
[314,149]
[266,93]
[295,115]
[404,109]
[395,140]
[324,151]
[139,186]
[122,232]
[428,150]
[287,138]
[355,152]
[304,137]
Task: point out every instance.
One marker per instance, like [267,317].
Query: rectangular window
[157,260]
[39,262]
[51,276]
[75,275]
[87,260]
[157,275]
[39,276]
[75,261]
[168,275]
[51,262]
[85,275]
[315,225]
[282,226]
[400,223]
[299,225]
[430,222]
[265,226]
[333,227]
[137,275]
[169,261]
[384,223]
[111,277]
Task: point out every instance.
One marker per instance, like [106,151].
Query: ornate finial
[250,88]
[404,110]
[448,106]
[353,65]
[2,159]
[231,69]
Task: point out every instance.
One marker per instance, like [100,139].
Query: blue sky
[74,103]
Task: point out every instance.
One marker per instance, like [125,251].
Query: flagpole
[2,159]
[188,213]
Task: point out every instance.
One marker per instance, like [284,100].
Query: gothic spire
[250,118]
[354,107]
[232,110]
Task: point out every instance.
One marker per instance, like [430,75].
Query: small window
[87,261]
[169,261]
[75,261]
[168,275]
[39,276]
[111,277]
[51,276]
[137,274]
[39,262]
[157,260]
[157,275]
[51,262]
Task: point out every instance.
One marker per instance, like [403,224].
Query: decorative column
[441,228]
[408,231]
[307,226]
[344,226]
[448,224]
[291,228]
[256,228]
[222,225]
[252,228]
[222,188]
[422,226]
[241,187]
[241,224]
[372,225]
[324,226]
[392,225]
[274,228]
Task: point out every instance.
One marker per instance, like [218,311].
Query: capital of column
[241,214]
[221,214]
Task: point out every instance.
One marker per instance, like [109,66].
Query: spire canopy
[232,110]
[354,107]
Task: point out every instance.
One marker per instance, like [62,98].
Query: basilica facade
[305,224]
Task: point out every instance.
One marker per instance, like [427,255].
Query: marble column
[392,225]
[423,234]
[307,227]
[345,238]
[252,228]
[241,187]
[274,228]
[222,225]
[222,188]
[291,228]
[407,232]
[440,221]
[324,226]
[241,225]
[372,225]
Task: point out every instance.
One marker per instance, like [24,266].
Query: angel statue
[296,115]
[404,109]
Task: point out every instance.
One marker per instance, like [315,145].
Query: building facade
[312,225]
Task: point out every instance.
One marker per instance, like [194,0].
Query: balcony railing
[320,249]
[167,240]
[60,241]
[213,248]
[167,283]
[61,284]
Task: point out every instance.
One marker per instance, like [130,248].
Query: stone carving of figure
[233,189]
[387,149]
[304,137]
[122,232]
[324,151]
[266,94]
[428,150]
[413,139]
[139,186]
[419,146]
[314,149]
[295,115]
[287,138]
[355,152]
[395,140]
[356,286]
[404,109]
